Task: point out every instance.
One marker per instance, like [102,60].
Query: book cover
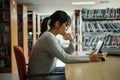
[114,41]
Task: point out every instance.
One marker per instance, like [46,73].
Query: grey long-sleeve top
[45,52]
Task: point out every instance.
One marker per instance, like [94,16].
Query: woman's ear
[57,24]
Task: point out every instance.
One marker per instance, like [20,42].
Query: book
[7,50]
[2,63]
[1,3]
[103,27]
[5,15]
[93,28]
[114,27]
[114,41]
[2,51]
[5,4]
[96,27]
[118,39]
[5,38]
[90,28]
[107,27]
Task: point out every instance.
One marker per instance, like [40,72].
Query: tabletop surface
[108,70]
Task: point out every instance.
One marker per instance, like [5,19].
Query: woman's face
[63,28]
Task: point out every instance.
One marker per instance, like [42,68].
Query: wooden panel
[5,70]
[25,32]
[14,33]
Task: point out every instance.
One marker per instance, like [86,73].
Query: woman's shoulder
[48,35]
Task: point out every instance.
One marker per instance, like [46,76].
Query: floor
[9,76]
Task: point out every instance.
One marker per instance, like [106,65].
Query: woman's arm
[55,49]
[70,48]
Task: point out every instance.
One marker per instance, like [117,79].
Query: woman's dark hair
[59,15]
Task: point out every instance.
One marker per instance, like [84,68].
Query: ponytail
[44,25]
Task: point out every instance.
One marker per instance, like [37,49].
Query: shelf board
[20,23]
[20,32]
[4,9]
[100,19]
[4,32]
[4,44]
[5,21]
[20,42]
[19,14]
[111,49]
[5,57]
[5,70]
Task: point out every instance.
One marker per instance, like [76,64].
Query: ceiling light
[82,3]
[104,1]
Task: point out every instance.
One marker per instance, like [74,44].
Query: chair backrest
[20,60]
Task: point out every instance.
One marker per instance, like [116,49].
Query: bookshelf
[96,24]
[31,29]
[23,28]
[8,35]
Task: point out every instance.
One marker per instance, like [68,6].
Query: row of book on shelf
[101,13]
[4,50]
[4,27]
[4,38]
[4,3]
[4,63]
[101,26]
[110,41]
[4,15]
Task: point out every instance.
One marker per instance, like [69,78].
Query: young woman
[47,49]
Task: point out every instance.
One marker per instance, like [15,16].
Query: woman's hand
[67,36]
[95,57]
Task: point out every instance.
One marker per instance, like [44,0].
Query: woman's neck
[54,31]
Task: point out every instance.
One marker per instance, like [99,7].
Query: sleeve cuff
[85,58]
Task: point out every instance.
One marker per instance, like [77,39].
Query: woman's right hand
[95,57]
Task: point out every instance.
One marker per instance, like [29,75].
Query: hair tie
[48,24]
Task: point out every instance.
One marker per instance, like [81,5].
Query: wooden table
[108,70]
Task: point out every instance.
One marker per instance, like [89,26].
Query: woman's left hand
[67,36]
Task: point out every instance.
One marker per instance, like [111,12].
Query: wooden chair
[21,65]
